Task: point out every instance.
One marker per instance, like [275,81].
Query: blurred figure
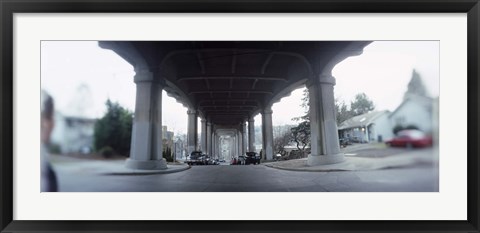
[48,182]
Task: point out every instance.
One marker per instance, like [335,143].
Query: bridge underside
[226,83]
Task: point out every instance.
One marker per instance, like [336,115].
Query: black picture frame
[9,7]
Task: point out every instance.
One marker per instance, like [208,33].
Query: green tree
[114,129]
[282,136]
[342,112]
[361,105]
[301,135]
[306,106]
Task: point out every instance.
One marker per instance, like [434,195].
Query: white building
[415,111]
[73,134]
[368,127]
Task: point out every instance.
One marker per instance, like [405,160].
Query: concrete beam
[267,61]
[234,61]
[263,78]
[200,62]
[230,91]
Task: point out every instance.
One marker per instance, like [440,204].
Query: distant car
[410,138]
[211,161]
[344,142]
[196,158]
[252,158]
[240,160]
[233,161]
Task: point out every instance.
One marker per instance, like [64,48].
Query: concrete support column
[237,145]
[213,145]
[209,138]
[325,148]
[232,147]
[146,145]
[219,147]
[203,136]
[215,148]
[240,143]
[237,137]
[267,130]
[221,141]
[251,134]
[192,131]
[244,136]
[216,151]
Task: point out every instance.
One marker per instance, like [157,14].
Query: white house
[73,134]
[416,111]
[368,127]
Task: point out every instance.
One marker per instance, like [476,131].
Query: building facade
[369,127]
[73,134]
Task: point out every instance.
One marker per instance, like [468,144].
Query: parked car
[210,161]
[240,160]
[233,161]
[344,142]
[410,138]
[196,158]
[252,158]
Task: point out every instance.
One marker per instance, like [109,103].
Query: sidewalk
[107,167]
[412,158]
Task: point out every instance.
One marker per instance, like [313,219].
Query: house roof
[362,120]
[424,101]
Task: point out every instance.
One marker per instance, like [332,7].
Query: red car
[410,138]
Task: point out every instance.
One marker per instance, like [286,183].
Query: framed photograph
[227,63]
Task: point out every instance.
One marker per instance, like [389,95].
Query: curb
[147,172]
[386,167]
[309,170]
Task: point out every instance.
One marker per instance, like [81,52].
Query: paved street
[257,179]
[251,178]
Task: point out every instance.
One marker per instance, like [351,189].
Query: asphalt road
[254,178]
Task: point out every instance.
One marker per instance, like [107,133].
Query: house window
[400,120]
[69,123]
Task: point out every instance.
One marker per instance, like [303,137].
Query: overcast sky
[81,76]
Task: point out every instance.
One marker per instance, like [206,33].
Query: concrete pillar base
[315,160]
[146,165]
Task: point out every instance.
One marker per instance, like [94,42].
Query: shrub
[167,154]
[107,152]
[54,149]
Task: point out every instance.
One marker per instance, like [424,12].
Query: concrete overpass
[226,83]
